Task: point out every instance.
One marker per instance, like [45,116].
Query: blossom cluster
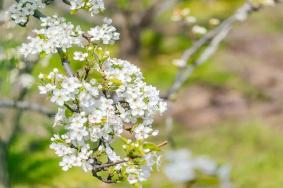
[105,102]
[94,6]
[105,33]
[21,11]
[182,167]
[56,33]
[93,114]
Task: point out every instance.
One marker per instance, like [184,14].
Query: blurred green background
[230,110]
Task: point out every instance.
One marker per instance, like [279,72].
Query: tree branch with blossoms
[98,101]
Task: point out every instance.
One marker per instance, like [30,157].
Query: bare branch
[214,38]
[25,105]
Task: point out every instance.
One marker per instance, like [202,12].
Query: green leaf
[74,11]
[151,146]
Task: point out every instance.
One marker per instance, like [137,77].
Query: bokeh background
[231,109]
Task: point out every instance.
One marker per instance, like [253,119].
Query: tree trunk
[4,175]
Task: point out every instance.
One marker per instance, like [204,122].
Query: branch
[25,105]
[37,14]
[215,37]
[107,165]
[67,2]
[98,168]
[65,62]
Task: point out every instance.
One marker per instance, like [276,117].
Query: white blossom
[112,155]
[55,33]
[199,30]
[94,6]
[182,167]
[60,96]
[26,80]
[106,33]
[79,56]
[76,4]
[47,88]
[206,165]
[21,11]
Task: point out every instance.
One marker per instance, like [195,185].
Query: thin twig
[65,62]
[162,144]
[67,2]
[107,165]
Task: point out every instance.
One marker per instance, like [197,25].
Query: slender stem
[37,14]
[107,165]
[65,62]
[98,168]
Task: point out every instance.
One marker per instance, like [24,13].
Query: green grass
[253,149]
